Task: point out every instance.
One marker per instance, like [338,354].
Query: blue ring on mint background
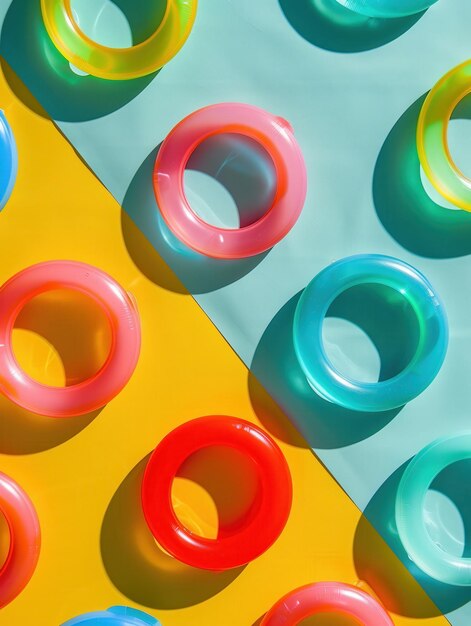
[312,308]
[115,616]
[415,482]
[8,160]
[387,8]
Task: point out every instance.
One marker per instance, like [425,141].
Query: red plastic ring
[25,539]
[275,135]
[327,597]
[121,312]
[267,516]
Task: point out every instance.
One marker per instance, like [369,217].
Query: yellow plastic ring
[119,63]
[432,139]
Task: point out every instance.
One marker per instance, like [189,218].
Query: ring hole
[61,338]
[5,539]
[118,23]
[370,333]
[447,510]
[351,350]
[230,181]
[214,491]
[459,136]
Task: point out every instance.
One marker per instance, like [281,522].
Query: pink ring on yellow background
[275,135]
[327,597]
[25,539]
[122,315]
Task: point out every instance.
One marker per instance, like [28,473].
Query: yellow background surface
[83,473]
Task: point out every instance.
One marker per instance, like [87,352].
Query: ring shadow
[81,352]
[27,51]
[389,321]
[329,25]
[134,10]
[400,593]
[404,208]
[240,166]
[140,569]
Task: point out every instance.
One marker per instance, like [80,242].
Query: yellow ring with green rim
[432,139]
[119,63]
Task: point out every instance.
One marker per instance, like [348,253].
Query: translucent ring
[328,597]
[432,136]
[387,8]
[115,616]
[263,523]
[274,135]
[410,500]
[312,308]
[121,312]
[25,539]
[119,63]
[8,160]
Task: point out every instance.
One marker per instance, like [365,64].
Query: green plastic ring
[410,500]
[119,63]
[432,139]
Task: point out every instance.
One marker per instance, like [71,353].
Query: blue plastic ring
[8,160]
[387,8]
[410,500]
[312,308]
[115,616]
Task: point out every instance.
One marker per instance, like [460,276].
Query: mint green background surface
[352,89]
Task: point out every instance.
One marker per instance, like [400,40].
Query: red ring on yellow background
[25,539]
[263,523]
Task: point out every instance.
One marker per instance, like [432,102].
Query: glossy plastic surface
[275,135]
[328,597]
[121,312]
[115,616]
[262,525]
[102,553]
[311,311]
[387,8]
[432,136]
[119,63]
[410,502]
[25,539]
[8,160]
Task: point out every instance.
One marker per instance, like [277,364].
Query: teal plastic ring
[115,616]
[312,308]
[387,8]
[8,160]
[410,500]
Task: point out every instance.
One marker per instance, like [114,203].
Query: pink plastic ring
[256,532]
[330,597]
[275,135]
[25,539]
[121,312]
